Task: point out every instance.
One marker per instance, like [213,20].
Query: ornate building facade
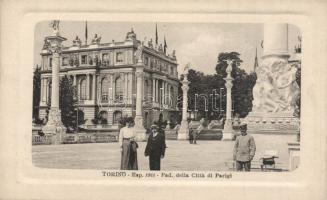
[104,75]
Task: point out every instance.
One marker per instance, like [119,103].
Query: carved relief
[276,87]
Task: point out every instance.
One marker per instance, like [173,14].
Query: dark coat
[155,146]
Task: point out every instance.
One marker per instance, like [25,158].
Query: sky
[196,43]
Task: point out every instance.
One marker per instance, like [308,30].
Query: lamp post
[183,132]
[228,127]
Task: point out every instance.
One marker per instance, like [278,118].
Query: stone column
[111,89]
[228,127]
[276,40]
[276,72]
[153,90]
[139,129]
[93,87]
[74,82]
[87,86]
[169,95]
[54,126]
[126,88]
[43,90]
[183,132]
[157,90]
[130,88]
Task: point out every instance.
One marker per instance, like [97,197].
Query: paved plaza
[180,155]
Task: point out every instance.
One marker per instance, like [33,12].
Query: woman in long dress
[128,146]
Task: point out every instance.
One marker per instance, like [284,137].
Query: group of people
[243,152]
[155,147]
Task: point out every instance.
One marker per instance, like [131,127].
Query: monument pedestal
[228,133]
[139,129]
[281,123]
[183,132]
[294,152]
[54,127]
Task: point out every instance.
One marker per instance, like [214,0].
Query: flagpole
[86,32]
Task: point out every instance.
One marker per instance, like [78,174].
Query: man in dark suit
[155,148]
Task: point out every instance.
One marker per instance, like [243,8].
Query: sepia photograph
[188,99]
[166,96]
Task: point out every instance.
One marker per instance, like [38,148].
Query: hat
[243,126]
[129,120]
[154,127]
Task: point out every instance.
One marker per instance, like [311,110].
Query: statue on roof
[150,43]
[160,48]
[77,41]
[55,26]
[139,52]
[46,44]
[96,39]
[131,35]
[173,55]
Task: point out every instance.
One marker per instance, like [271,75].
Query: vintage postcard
[123,103]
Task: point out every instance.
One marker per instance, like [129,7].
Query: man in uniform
[244,149]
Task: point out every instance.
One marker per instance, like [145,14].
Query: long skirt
[128,157]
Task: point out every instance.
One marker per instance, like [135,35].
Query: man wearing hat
[244,149]
[155,147]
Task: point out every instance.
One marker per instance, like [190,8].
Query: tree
[243,83]
[204,94]
[67,102]
[36,92]
[297,111]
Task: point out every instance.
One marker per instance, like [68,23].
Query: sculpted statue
[174,54]
[55,25]
[46,44]
[96,39]
[138,53]
[77,41]
[150,43]
[276,88]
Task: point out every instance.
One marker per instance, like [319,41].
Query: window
[119,57]
[105,59]
[118,89]
[64,61]
[82,92]
[171,70]
[84,59]
[50,63]
[151,63]
[104,90]
[146,60]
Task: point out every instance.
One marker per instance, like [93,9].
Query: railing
[38,140]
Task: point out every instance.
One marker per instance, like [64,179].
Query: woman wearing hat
[155,148]
[128,146]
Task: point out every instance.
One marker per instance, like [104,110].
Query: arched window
[82,91]
[172,96]
[104,89]
[118,89]
[146,88]
[117,117]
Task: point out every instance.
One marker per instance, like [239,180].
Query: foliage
[36,93]
[207,93]
[243,83]
[297,111]
[67,103]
